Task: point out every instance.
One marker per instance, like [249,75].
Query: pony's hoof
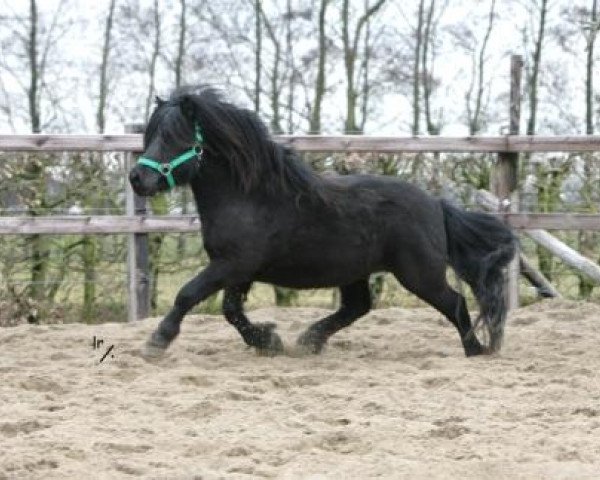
[274,348]
[152,352]
[269,343]
[310,342]
[477,350]
[155,347]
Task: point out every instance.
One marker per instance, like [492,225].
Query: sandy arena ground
[391,397]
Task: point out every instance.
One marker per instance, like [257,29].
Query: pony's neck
[212,185]
[215,185]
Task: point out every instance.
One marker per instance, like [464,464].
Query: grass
[111,287]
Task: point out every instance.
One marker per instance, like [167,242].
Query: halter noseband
[166,169]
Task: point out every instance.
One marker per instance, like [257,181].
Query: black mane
[237,136]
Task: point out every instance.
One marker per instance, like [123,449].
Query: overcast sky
[79,53]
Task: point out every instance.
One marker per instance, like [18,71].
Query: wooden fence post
[137,249]
[506,180]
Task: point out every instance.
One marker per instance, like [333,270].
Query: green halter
[166,169]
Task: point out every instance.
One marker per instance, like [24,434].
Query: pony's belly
[314,276]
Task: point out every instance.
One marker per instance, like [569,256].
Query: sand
[391,397]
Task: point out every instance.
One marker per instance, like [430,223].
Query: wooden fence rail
[124,224]
[321,143]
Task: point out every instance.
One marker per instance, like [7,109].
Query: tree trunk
[589,240]
[153,61]
[101,112]
[315,116]
[589,78]
[352,127]
[89,242]
[427,61]
[275,80]
[257,53]
[290,68]
[349,57]
[533,81]
[181,243]
[417,72]
[159,206]
[350,46]
[545,193]
[34,111]
[427,75]
[159,202]
[90,260]
[39,249]
[283,296]
[365,68]
[474,114]
[549,182]
[180,44]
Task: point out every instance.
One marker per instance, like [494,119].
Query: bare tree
[102,97]
[416,96]
[34,78]
[428,62]
[181,43]
[592,33]
[536,60]
[158,203]
[179,57]
[93,170]
[37,59]
[290,66]
[320,86]
[34,38]
[276,82]
[257,52]
[350,41]
[588,241]
[153,61]
[364,74]
[40,252]
[547,179]
[236,49]
[475,106]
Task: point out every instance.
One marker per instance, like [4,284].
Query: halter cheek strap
[166,169]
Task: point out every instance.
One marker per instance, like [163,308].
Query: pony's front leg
[258,335]
[207,282]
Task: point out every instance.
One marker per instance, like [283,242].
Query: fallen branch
[537,278]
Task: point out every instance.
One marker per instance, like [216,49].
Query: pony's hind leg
[454,307]
[355,302]
[258,335]
[428,282]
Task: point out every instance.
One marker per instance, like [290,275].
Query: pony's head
[173,145]
[195,132]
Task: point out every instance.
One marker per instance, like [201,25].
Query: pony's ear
[159,101]
[188,108]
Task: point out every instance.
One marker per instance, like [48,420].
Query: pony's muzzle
[135,179]
[143,183]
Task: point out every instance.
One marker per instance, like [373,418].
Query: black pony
[268,217]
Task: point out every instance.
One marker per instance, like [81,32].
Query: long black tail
[479,247]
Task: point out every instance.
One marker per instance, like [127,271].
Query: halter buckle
[165,169]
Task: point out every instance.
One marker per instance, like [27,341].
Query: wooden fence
[132,143]
[137,225]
